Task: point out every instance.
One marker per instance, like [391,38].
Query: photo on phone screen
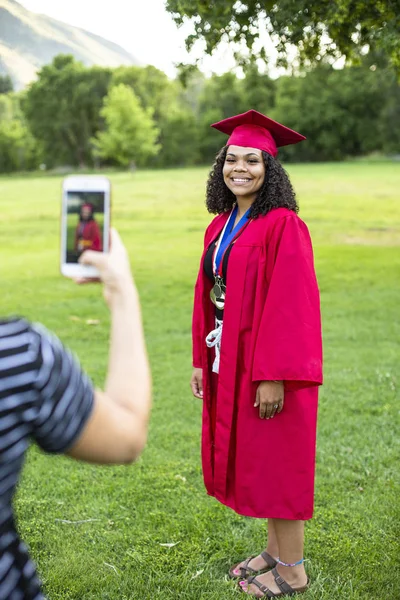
[85,223]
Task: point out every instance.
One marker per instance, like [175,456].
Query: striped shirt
[44,396]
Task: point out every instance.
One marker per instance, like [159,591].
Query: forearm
[128,379]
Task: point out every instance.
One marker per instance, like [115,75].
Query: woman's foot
[294,576]
[251,566]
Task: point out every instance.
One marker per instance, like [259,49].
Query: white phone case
[85,185]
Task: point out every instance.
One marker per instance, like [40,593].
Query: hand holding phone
[113,268]
[85,222]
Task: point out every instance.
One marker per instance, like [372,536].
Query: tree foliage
[130,133]
[74,115]
[340,112]
[316,28]
[6,84]
[63,109]
[19,151]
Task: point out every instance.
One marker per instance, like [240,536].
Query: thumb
[115,238]
[93,259]
[257,402]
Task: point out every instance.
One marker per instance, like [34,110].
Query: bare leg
[290,538]
[272,544]
[258,563]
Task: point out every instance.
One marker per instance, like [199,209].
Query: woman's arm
[116,431]
[289,342]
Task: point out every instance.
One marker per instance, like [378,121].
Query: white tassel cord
[213,340]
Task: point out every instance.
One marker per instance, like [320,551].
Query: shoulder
[282,214]
[17,335]
[10,326]
[215,226]
[20,356]
[279,219]
[219,220]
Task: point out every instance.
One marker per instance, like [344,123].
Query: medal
[219,287]
[227,237]
[217,293]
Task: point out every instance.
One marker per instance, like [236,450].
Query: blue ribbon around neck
[230,233]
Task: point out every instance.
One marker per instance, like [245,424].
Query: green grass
[353,211]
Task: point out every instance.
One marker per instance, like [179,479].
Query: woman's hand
[114,270]
[196,383]
[269,398]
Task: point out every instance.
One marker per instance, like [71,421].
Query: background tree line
[78,116]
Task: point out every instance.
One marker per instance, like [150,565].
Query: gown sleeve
[197,326]
[198,317]
[289,342]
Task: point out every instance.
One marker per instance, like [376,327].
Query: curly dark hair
[275,192]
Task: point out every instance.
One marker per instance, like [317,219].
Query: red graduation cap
[87,205]
[254,130]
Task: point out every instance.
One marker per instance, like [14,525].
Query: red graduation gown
[272,331]
[90,237]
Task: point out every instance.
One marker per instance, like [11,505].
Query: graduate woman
[257,352]
[87,232]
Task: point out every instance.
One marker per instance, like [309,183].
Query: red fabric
[90,238]
[272,331]
[254,130]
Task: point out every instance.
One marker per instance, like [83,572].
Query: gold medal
[217,293]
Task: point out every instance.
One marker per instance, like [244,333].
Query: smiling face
[86,212]
[244,171]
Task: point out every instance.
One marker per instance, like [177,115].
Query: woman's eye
[229,160]
[253,161]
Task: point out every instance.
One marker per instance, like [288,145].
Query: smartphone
[85,222]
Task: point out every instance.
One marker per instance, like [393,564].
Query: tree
[6,84]
[222,96]
[315,28]
[63,109]
[130,133]
[18,148]
[329,107]
[173,108]
[179,139]
[258,90]
[150,85]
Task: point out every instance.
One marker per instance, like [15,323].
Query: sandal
[246,571]
[286,589]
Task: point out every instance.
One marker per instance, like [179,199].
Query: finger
[262,410]
[200,386]
[115,240]
[195,390]
[281,403]
[269,410]
[84,280]
[92,258]
[257,400]
[274,409]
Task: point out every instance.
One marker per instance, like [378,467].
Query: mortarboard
[254,130]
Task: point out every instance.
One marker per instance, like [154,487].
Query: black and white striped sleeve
[64,394]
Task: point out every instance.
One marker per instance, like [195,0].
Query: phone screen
[85,223]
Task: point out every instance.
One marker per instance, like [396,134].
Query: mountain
[28,41]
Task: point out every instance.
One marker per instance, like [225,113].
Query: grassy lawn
[117,553]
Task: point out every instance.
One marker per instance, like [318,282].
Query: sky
[142,27]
